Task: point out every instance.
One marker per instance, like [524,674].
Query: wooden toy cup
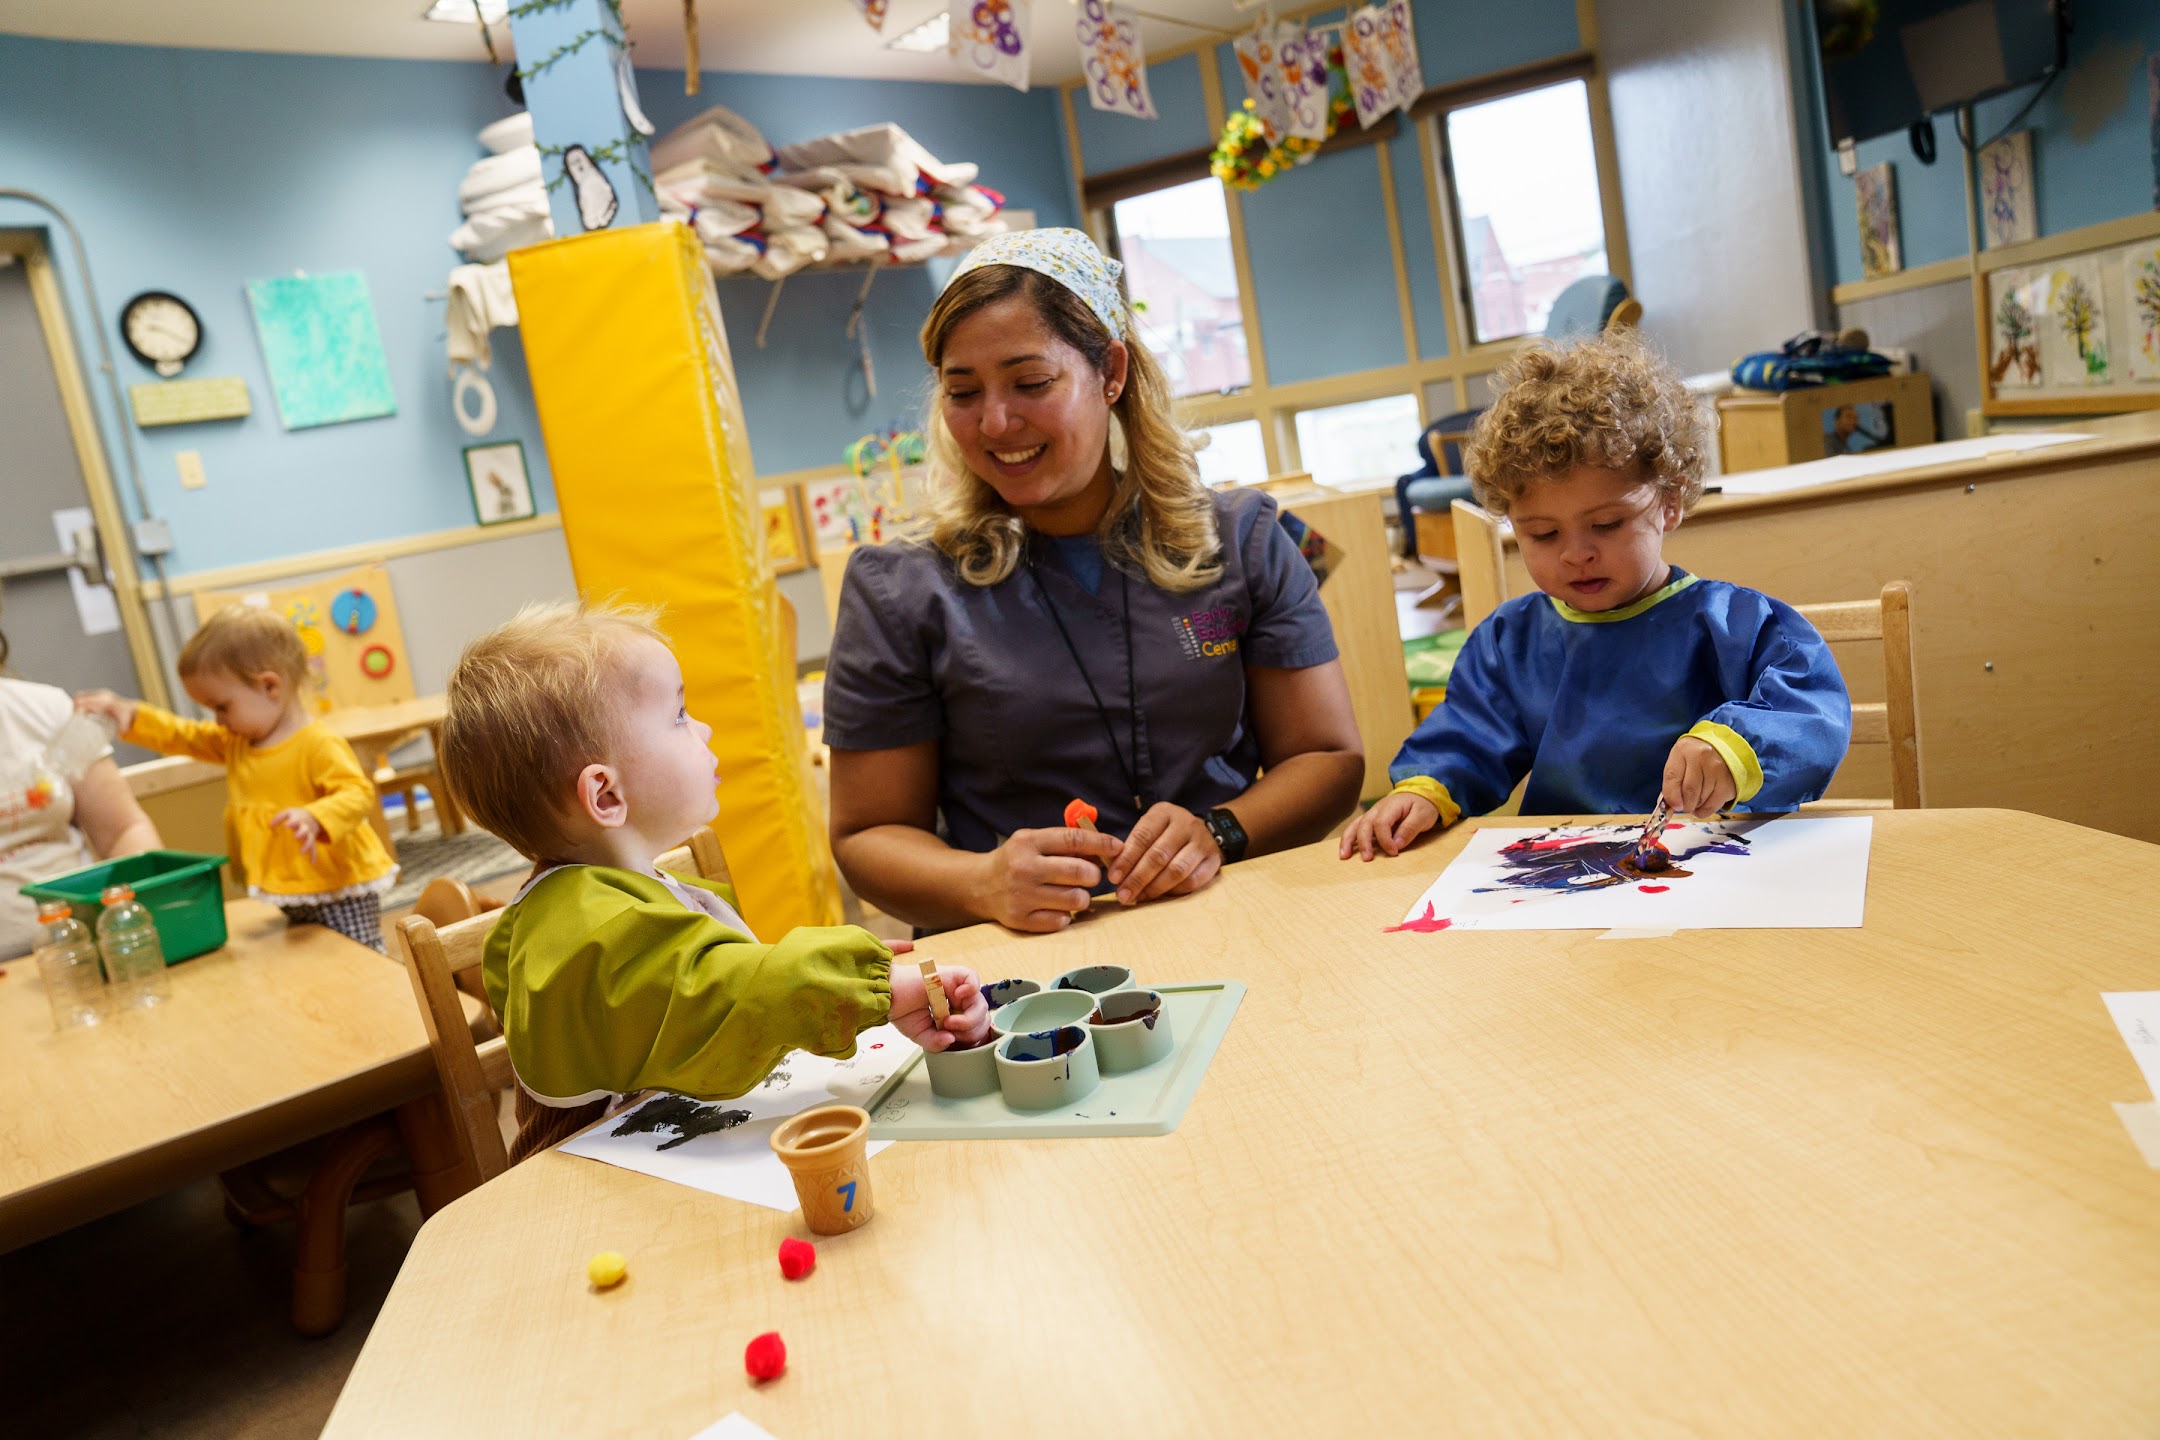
[825,1151]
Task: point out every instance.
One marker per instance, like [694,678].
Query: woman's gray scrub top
[919,654]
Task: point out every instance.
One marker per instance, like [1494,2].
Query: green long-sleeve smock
[608,983]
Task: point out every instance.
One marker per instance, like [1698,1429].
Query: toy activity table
[1493,1182]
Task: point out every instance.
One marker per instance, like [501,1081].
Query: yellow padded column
[646,440]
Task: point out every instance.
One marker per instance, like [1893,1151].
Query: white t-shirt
[35,844]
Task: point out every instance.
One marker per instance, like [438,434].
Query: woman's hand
[1697,779]
[1170,852]
[1039,879]
[117,708]
[1393,822]
[969,1021]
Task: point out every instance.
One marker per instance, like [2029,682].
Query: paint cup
[1000,993]
[1046,1011]
[1131,1029]
[963,1072]
[1095,979]
[1047,1068]
[826,1153]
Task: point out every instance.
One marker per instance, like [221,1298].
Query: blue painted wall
[197,171]
[2103,176]
[804,392]
[1459,39]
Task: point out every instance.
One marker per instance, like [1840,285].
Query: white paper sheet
[95,604]
[1785,873]
[734,1425]
[1886,462]
[2137,1015]
[738,1161]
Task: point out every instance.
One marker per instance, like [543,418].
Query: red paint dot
[1653,889]
[877,1044]
[766,1356]
[1673,825]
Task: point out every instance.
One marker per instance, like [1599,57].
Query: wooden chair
[391,780]
[474,1073]
[1895,720]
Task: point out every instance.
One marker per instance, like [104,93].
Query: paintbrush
[1649,853]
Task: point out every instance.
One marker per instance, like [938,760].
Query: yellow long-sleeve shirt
[312,770]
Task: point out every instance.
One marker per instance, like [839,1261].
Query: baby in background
[1625,680]
[296,800]
[570,738]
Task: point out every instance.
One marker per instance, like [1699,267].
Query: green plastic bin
[180,888]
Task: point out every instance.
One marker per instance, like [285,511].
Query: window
[1234,455]
[1527,204]
[1183,282]
[1361,445]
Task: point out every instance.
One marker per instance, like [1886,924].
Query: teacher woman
[1081,618]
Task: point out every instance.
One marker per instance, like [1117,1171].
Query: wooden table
[366,727]
[1753,1183]
[285,1034]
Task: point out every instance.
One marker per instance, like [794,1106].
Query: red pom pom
[1079,814]
[766,1356]
[797,1258]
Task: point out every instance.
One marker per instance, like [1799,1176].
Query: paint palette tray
[1147,1101]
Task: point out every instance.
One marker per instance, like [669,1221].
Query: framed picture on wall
[500,490]
[787,536]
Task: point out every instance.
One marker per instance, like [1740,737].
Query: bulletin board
[349,625]
[2073,333]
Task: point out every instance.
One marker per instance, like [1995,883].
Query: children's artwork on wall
[1875,194]
[725,1147]
[2141,283]
[341,621]
[2075,332]
[1380,55]
[1303,58]
[1745,874]
[787,541]
[2009,213]
[596,201]
[322,349]
[1260,61]
[1115,64]
[873,13]
[1400,38]
[989,38]
[2017,305]
[501,491]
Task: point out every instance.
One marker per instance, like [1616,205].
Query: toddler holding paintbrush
[570,738]
[1626,683]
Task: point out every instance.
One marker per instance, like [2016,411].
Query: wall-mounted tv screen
[1889,63]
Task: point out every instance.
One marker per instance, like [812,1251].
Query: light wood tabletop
[1806,1183]
[359,723]
[284,1034]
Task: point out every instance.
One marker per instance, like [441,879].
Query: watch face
[161,330]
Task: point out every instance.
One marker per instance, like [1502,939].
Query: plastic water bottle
[134,960]
[67,960]
[75,747]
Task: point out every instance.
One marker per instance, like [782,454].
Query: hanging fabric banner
[1116,66]
[1302,58]
[989,37]
[873,12]
[1262,68]
[1372,76]
[1401,41]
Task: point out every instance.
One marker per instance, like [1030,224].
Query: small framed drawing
[500,490]
[787,537]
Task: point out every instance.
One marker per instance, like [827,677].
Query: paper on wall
[95,605]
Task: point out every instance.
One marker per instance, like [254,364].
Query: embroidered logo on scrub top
[1208,633]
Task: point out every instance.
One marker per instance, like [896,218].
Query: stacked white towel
[503,196]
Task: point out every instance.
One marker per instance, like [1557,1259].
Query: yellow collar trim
[1625,612]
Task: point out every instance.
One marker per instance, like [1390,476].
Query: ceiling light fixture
[460,12]
[933,34]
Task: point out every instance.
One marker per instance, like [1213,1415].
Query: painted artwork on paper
[2009,213]
[1115,64]
[2076,327]
[989,38]
[1380,57]
[1260,62]
[1303,58]
[2017,309]
[1875,196]
[2141,283]
[322,349]
[1740,874]
[1400,38]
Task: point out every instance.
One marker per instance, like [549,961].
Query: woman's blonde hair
[1607,401]
[1161,520]
[244,641]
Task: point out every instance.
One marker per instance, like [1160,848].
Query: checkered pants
[359,918]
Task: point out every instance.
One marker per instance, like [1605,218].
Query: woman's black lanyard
[1132,692]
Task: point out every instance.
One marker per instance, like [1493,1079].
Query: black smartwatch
[1229,836]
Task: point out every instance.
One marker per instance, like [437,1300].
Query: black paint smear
[686,1117]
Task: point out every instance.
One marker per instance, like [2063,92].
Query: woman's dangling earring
[1118,452]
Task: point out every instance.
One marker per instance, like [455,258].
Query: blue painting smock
[1589,704]
[919,655]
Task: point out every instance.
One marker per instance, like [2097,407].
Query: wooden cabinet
[1761,429]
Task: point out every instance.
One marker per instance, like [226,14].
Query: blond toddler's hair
[1607,402]
[244,641]
[532,703]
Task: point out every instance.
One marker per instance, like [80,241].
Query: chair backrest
[1584,307]
[1895,720]
[472,1072]
[1441,444]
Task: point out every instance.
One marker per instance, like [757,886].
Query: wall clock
[161,330]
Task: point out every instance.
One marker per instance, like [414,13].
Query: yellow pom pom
[606,1269]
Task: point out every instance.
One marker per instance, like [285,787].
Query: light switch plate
[191,471]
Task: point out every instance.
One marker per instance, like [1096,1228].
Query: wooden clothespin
[1079,815]
[934,989]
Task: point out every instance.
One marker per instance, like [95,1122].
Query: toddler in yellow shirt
[296,800]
